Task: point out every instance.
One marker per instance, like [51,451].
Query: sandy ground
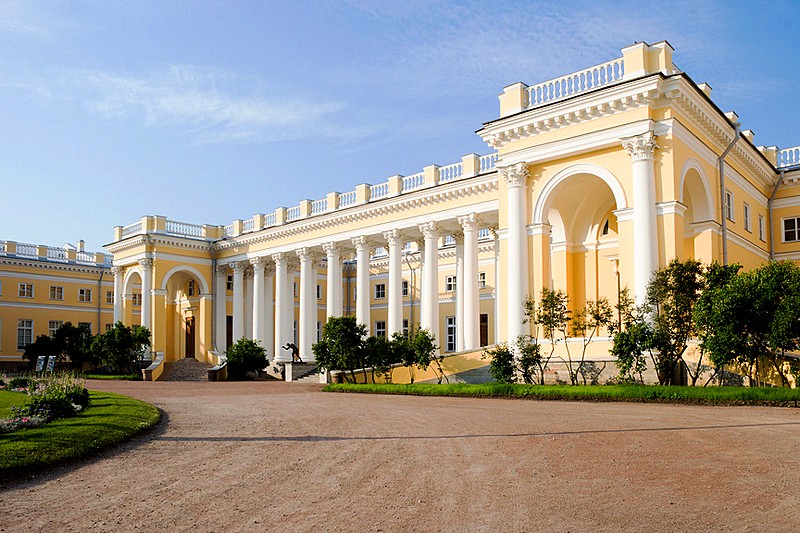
[285,457]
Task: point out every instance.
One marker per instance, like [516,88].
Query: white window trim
[450,281]
[18,329]
[746,213]
[796,230]
[61,295]
[481,280]
[82,295]
[383,329]
[382,287]
[730,206]
[25,286]
[762,225]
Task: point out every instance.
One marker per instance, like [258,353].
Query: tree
[631,339]
[753,319]
[68,342]
[342,346]
[672,294]
[245,356]
[502,368]
[121,348]
[593,317]
[417,350]
[552,315]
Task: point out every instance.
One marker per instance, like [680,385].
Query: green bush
[54,396]
[245,356]
[19,383]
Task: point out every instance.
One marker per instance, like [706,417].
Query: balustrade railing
[576,83]
[378,191]
[269,220]
[319,206]
[57,254]
[183,229]
[227,231]
[27,249]
[132,229]
[450,172]
[414,181]
[488,162]
[84,257]
[293,213]
[789,157]
[347,199]
[248,225]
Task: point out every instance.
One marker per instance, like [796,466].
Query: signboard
[40,362]
[51,363]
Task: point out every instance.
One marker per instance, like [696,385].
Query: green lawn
[604,393]
[121,377]
[110,419]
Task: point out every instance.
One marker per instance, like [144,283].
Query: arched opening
[132,297]
[580,209]
[698,219]
[186,316]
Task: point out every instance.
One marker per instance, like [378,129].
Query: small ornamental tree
[342,346]
[631,340]
[417,350]
[502,367]
[245,356]
[121,348]
[585,323]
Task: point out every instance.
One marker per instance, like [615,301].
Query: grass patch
[121,377]
[604,393]
[10,399]
[110,419]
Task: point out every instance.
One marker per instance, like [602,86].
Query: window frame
[796,230]
[52,330]
[380,328]
[57,293]
[20,333]
[762,224]
[746,217]
[450,283]
[84,295]
[380,291]
[25,290]
[405,287]
[729,206]
[481,280]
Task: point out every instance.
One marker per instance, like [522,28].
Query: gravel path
[271,456]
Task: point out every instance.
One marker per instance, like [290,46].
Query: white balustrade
[183,229]
[132,229]
[449,240]
[57,254]
[248,225]
[576,83]
[84,257]
[27,249]
[378,191]
[789,157]
[293,213]
[484,234]
[450,172]
[269,220]
[414,181]
[347,199]
[227,231]
[319,206]
[488,162]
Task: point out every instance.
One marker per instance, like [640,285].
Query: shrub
[246,355]
[19,383]
[53,396]
[502,367]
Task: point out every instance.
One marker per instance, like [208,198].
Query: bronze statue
[295,352]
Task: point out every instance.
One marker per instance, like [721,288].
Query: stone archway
[699,224]
[132,296]
[186,316]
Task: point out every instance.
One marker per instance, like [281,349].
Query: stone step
[188,369]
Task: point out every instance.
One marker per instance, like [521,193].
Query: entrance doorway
[189,336]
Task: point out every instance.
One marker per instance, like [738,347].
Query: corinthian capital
[429,229]
[393,236]
[515,175]
[117,270]
[469,222]
[640,147]
[361,243]
[146,263]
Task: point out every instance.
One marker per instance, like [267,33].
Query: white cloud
[30,19]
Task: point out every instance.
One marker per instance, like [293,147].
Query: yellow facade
[597,178]
[42,287]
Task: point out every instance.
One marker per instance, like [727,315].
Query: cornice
[431,196]
[52,265]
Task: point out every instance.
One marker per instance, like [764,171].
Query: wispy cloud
[30,19]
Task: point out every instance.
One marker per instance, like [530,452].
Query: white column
[497,275]
[284,312]
[420,281]
[517,273]
[430,279]
[307,325]
[238,300]
[259,302]
[645,232]
[147,290]
[269,313]
[395,319]
[118,288]
[362,281]
[459,238]
[221,309]
[472,310]
[333,304]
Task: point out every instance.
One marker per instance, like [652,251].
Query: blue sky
[210,111]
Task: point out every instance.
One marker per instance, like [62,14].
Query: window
[380,328]
[109,327]
[355,295]
[53,325]
[294,331]
[26,290]
[319,292]
[294,289]
[481,280]
[87,325]
[405,288]
[791,229]
[746,216]
[109,297]
[84,295]
[319,329]
[605,229]
[729,205]
[24,332]
[136,298]
[405,327]
[451,334]
[761,228]
[56,292]
[190,288]
[484,329]
[380,290]
[230,283]
[450,283]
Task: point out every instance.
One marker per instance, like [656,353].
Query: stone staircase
[311,377]
[188,369]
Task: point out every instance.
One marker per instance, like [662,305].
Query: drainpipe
[721,164]
[769,217]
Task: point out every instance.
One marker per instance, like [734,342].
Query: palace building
[594,180]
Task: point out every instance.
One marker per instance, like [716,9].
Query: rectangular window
[26,290]
[484,329]
[729,205]
[380,328]
[746,216]
[481,280]
[110,297]
[380,290]
[24,332]
[136,298]
[294,331]
[294,289]
[762,233]
[53,325]
[190,288]
[87,325]
[319,292]
[405,288]
[109,327]
[230,283]
[451,334]
[355,295]
[405,327]
[56,292]
[791,229]
[450,283]
[319,331]
[84,295]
